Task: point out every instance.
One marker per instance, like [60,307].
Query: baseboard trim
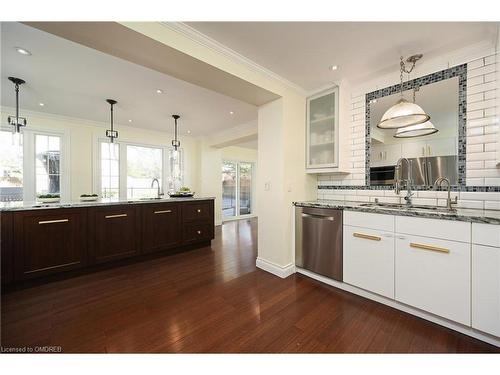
[402,307]
[275,269]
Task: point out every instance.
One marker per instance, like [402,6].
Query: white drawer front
[369,260]
[369,220]
[486,234]
[445,229]
[433,280]
[486,289]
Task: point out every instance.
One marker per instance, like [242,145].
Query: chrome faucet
[159,194]
[439,181]
[398,181]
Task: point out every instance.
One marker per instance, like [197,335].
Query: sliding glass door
[237,191]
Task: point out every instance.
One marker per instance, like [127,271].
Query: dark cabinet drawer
[115,232]
[197,232]
[198,211]
[160,226]
[49,241]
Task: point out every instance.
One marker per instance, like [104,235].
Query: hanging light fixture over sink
[112,134]
[404,113]
[418,130]
[16,121]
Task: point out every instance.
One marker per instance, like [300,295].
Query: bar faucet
[398,181]
[159,194]
[439,181]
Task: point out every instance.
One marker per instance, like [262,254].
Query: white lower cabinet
[369,259]
[486,278]
[434,275]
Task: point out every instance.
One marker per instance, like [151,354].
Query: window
[47,164]
[126,171]
[11,167]
[32,163]
[236,189]
[143,165]
[110,175]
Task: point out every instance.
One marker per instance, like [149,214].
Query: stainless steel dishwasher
[318,241]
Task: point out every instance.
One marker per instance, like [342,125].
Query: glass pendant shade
[402,114]
[418,130]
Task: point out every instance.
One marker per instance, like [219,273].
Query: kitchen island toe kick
[44,242]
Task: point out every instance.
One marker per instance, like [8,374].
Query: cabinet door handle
[53,221]
[163,212]
[428,150]
[366,236]
[115,216]
[423,151]
[429,247]
[385,155]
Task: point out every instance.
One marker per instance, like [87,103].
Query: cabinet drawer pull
[53,221]
[163,212]
[367,236]
[114,216]
[429,247]
[199,210]
[199,231]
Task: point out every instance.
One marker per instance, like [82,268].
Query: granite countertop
[26,206]
[459,214]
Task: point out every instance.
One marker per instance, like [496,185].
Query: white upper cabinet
[434,147]
[382,154]
[322,139]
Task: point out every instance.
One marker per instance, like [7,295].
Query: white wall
[82,135]
[482,132]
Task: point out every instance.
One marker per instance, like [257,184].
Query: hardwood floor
[213,300]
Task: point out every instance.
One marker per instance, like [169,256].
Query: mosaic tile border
[459,71]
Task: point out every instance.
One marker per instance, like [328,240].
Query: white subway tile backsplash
[482,146]
[492,205]
[470,204]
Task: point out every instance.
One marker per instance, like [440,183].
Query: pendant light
[16,121]
[418,130]
[404,113]
[175,142]
[111,133]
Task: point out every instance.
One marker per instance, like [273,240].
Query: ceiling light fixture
[159,91]
[404,113]
[189,131]
[129,120]
[111,133]
[175,142]
[231,112]
[16,121]
[23,51]
[41,104]
[334,67]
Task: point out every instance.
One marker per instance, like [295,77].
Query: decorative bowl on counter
[179,194]
[48,198]
[89,197]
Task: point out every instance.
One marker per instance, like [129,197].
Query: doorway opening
[237,189]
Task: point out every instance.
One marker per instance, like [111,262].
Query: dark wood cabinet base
[42,245]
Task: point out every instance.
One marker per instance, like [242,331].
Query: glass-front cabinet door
[322,130]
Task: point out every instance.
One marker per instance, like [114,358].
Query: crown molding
[204,40]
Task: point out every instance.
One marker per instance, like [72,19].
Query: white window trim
[122,164]
[29,172]
[252,201]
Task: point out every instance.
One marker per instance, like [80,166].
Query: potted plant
[89,197]
[49,198]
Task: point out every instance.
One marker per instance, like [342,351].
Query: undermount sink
[411,207]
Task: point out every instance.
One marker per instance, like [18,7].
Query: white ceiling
[74,80]
[302,52]
[253,144]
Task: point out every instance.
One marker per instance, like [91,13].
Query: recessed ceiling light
[129,120]
[159,91]
[334,67]
[231,112]
[23,51]
[189,131]
[41,104]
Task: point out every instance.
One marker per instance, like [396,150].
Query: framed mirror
[442,95]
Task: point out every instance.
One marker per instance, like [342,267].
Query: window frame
[29,160]
[122,164]
[252,190]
